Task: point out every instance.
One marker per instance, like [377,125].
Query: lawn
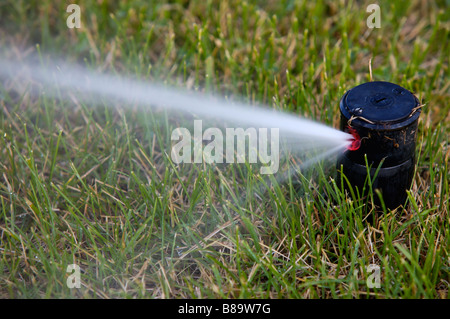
[93,186]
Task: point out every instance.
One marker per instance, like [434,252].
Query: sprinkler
[382,118]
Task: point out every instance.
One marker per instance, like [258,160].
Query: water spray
[382,119]
[308,141]
[378,120]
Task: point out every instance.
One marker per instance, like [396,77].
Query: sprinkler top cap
[375,104]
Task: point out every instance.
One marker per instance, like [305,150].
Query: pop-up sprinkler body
[382,118]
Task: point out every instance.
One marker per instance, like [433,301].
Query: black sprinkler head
[383,119]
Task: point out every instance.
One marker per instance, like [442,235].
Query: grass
[93,186]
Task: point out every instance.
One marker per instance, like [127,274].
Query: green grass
[94,187]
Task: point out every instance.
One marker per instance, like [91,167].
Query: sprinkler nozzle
[381,119]
[355,140]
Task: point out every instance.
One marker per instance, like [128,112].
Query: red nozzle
[356,140]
